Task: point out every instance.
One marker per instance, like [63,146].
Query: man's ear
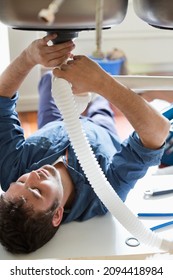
[57,217]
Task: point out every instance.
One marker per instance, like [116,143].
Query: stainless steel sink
[73,14]
[158,13]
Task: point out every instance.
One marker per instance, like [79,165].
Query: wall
[148,50]
[28,91]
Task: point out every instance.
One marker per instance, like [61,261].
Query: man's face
[39,188]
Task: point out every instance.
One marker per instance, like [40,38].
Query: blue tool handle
[155,214]
[162,192]
[162,225]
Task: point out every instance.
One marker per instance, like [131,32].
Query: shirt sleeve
[11,137]
[8,105]
[131,164]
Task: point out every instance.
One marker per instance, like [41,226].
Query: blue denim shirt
[122,168]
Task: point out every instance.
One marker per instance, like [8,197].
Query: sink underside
[158,13]
[72,14]
[80,14]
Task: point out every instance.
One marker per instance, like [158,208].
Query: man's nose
[33,178]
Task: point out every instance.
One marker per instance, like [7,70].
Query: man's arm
[87,76]
[38,52]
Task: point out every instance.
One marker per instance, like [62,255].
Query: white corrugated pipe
[64,99]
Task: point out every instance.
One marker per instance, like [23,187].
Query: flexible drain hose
[64,99]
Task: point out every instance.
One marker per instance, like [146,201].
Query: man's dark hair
[21,229]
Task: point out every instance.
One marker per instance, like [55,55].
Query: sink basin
[158,13]
[72,14]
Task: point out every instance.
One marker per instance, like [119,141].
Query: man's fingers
[70,62]
[64,67]
[57,72]
[49,37]
[77,57]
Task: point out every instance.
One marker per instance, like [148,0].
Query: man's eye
[36,190]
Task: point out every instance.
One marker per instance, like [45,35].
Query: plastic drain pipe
[65,101]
